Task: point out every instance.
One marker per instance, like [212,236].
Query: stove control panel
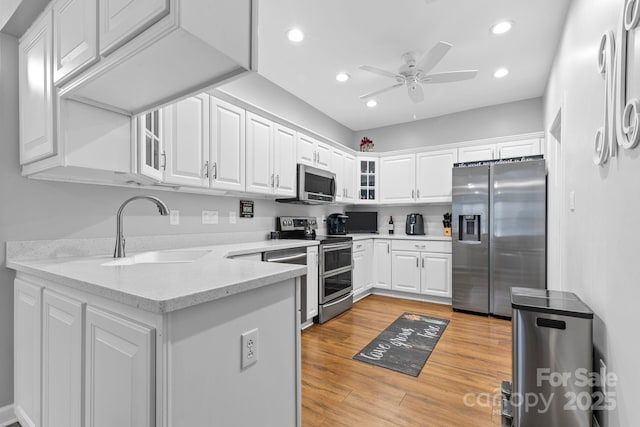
[292,223]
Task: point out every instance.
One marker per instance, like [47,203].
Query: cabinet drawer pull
[421,246]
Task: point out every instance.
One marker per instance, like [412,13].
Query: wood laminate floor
[471,359]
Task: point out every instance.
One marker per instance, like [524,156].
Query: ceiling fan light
[342,77]
[372,103]
[295,35]
[500,73]
[501,27]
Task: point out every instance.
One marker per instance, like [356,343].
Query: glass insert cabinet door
[368,179]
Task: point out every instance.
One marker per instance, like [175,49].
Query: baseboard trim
[7,416]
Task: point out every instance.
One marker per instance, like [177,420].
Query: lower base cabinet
[405,271]
[421,267]
[362,271]
[435,278]
[382,264]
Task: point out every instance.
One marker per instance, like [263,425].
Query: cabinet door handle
[418,193]
[315,157]
[271,182]
[422,262]
[413,194]
[278,180]
[164,160]
[387,248]
[417,263]
[215,170]
[206,169]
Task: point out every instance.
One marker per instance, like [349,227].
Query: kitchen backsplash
[432,217]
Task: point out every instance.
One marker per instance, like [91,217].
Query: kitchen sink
[158,257]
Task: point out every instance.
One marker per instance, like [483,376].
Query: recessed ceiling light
[295,35]
[501,27]
[500,73]
[342,77]
[372,103]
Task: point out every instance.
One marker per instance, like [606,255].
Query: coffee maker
[415,225]
[337,224]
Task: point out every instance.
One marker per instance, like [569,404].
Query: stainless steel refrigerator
[498,232]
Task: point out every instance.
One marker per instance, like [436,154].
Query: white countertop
[399,237]
[162,288]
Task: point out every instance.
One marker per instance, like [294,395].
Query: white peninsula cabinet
[271,157]
[84,360]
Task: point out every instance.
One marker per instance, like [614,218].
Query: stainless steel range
[335,269]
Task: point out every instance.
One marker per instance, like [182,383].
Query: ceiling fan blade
[378,71]
[448,77]
[435,55]
[415,93]
[378,92]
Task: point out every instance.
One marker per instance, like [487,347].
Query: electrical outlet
[209,217]
[174,217]
[249,351]
[233,216]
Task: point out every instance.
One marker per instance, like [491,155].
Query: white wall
[514,118]
[33,210]
[598,255]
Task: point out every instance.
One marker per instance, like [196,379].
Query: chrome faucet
[119,250]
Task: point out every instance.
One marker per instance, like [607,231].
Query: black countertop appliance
[415,225]
[337,224]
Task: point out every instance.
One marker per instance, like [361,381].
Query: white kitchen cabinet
[433,176]
[75,43]
[312,152]
[397,179]
[121,21]
[367,180]
[37,106]
[27,319]
[436,274]
[284,160]
[312,282]
[62,349]
[337,160]
[227,153]
[405,271]
[343,165]
[120,371]
[271,159]
[526,147]
[382,264]
[152,135]
[477,153]
[362,271]
[187,144]
[349,173]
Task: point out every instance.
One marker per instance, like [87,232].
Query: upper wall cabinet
[121,21]
[343,165]
[397,179]
[527,147]
[74,37]
[37,113]
[313,152]
[227,158]
[152,41]
[271,159]
[433,175]
[367,180]
[477,153]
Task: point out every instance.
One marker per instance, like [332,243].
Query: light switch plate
[174,217]
[209,217]
[249,353]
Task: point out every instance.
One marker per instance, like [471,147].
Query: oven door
[335,285]
[334,257]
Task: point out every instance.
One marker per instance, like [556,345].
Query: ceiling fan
[414,73]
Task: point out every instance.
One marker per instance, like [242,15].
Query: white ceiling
[341,35]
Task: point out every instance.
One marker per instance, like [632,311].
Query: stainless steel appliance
[292,256]
[552,335]
[315,186]
[337,224]
[414,225]
[498,232]
[335,269]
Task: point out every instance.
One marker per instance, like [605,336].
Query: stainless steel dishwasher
[296,256]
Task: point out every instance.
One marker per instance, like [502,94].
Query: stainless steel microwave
[314,186]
